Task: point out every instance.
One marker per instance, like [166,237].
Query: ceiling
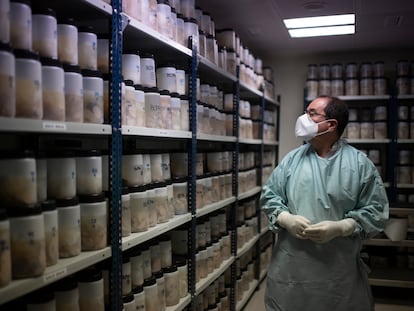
[380,24]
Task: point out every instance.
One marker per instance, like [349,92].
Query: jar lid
[134,252]
[50,62]
[92,198]
[88,153]
[24,210]
[3,214]
[17,154]
[90,275]
[41,10]
[184,97]
[66,284]
[180,16]
[149,281]
[131,52]
[129,83]
[158,274]
[5,47]
[40,296]
[147,55]
[224,30]
[150,90]
[165,92]
[141,188]
[125,259]
[180,261]
[163,2]
[88,29]
[137,290]
[125,190]
[173,10]
[67,21]
[170,269]
[128,298]
[67,202]
[27,54]
[48,205]
[138,87]
[379,62]
[91,73]
[71,68]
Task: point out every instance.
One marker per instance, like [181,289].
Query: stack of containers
[45,67]
[351,80]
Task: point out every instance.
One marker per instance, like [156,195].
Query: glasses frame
[312,113]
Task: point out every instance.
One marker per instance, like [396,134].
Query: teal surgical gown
[304,275]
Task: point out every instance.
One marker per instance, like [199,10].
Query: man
[322,199]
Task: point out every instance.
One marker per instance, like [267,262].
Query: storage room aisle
[256,303]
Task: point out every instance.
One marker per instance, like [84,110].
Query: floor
[256,303]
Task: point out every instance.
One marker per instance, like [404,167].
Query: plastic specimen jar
[172,292]
[73,93]
[129,302]
[7,81]
[126,275]
[87,49]
[175,112]
[152,108]
[148,70]
[21,24]
[147,168]
[5,252]
[165,110]
[67,36]
[164,18]
[18,183]
[44,32]
[179,165]
[160,202]
[180,198]
[166,78]
[139,297]
[152,210]
[103,55]
[53,85]
[159,277]
[51,232]
[151,295]
[67,295]
[61,176]
[69,227]
[129,107]
[41,300]
[5,21]
[184,113]
[93,104]
[89,172]
[27,240]
[139,209]
[94,220]
[28,85]
[131,67]
[137,268]
[91,291]
[140,105]
[133,169]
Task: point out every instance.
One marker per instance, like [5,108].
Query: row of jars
[247,180]
[247,210]
[405,198]
[86,290]
[404,85]
[405,174]
[364,114]
[349,87]
[250,129]
[148,107]
[366,130]
[266,172]
[37,29]
[155,261]
[43,88]
[215,297]
[36,236]
[246,230]
[26,179]
[348,71]
[209,229]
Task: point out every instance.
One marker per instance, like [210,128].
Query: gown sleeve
[372,207]
[273,199]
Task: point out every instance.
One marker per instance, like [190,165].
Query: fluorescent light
[316,21]
[322,31]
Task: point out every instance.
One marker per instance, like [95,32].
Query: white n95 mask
[306,128]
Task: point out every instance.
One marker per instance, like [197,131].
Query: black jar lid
[137,289]
[92,198]
[5,47]
[88,29]
[88,153]
[165,92]
[147,55]
[170,269]
[40,297]
[150,89]
[90,275]
[28,2]
[71,68]
[138,87]
[48,205]
[67,21]
[67,202]
[128,298]
[24,210]
[27,54]
[141,188]
[158,274]
[149,281]
[66,284]
[42,10]
[3,214]
[91,73]
[180,261]
[17,154]
[50,62]
[129,83]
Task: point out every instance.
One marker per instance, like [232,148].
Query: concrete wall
[290,74]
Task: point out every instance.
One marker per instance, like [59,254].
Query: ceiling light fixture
[321,25]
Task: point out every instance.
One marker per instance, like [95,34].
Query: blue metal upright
[115,157]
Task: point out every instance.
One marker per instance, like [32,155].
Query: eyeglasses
[312,113]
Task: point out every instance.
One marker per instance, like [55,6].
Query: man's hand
[325,231]
[294,224]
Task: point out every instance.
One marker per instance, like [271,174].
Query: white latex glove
[327,230]
[294,224]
